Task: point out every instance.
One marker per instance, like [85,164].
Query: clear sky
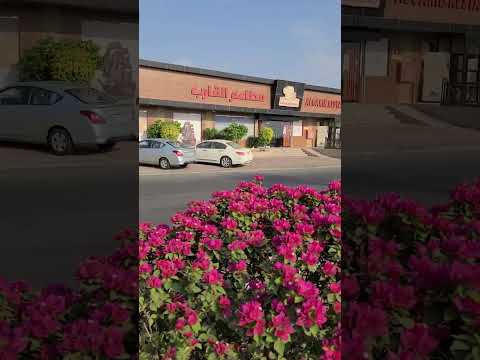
[295,40]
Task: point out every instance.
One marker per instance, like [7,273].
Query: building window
[222,121]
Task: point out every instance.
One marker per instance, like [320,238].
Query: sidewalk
[279,153]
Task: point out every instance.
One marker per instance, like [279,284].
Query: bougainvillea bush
[97,321]
[411,278]
[252,273]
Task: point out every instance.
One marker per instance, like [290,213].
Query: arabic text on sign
[225,93]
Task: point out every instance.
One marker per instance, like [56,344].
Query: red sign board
[323,103]
[212,91]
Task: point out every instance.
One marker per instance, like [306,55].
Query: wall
[38,21]
[438,11]
[176,86]
[318,102]
[402,81]
[9,38]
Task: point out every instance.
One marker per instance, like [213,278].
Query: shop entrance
[465,84]
[282,132]
[350,72]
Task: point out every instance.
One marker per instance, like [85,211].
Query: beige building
[411,51]
[300,115]
[112,25]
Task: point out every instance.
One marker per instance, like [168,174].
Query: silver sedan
[63,115]
[165,153]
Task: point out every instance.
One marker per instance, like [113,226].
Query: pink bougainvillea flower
[329,268]
[283,327]
[213,277]
[154,282]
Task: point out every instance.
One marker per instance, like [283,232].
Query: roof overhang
[225,75]
[378,22]
[233,109]
[114,6]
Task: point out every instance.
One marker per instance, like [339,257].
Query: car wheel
[226,162]
[60,141]
[164,163]
[106,147]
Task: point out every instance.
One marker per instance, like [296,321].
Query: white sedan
[223,152]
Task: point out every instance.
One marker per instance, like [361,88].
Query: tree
[235,132]
[265,136]
[210,134]
[164,129]
[63,60]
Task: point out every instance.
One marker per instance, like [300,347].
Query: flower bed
[251,274]
[97,321]
[411,278]
[254,274]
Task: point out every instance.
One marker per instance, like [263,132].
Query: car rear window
[175,144]
[91,96]
[234,145]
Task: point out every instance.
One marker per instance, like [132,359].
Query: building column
[208,121]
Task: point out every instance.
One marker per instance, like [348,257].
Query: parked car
[63,116]
[165,153]
[223,152]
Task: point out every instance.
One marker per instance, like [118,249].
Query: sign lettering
[212,91]
[466,5]
[322,103]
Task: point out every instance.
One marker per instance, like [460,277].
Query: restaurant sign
[319,102]
[212,91]
[288,95]
[466,12]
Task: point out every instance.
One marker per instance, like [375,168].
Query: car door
[143,147]
[202,151]
[156,152]
[43,113]
[13,109]
[217,151]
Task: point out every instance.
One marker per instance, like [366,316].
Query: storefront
[199,99]
[409,51]
[114,29]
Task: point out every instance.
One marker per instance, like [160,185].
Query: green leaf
[459,346]
[196,327]
[279,347]
[298,299]
[406,322]
[476,353]
[314,330]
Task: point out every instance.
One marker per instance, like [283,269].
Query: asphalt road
[58,211]
[426,176]
[163,194]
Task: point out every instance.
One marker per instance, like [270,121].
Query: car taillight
[94,118]
[178,153]
[241,153]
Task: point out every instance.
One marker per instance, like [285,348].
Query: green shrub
[164,129]
[265,136]
[63,60]
[234,132]
[210,134]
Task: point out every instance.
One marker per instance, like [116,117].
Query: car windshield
[91,96]
[234,145]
